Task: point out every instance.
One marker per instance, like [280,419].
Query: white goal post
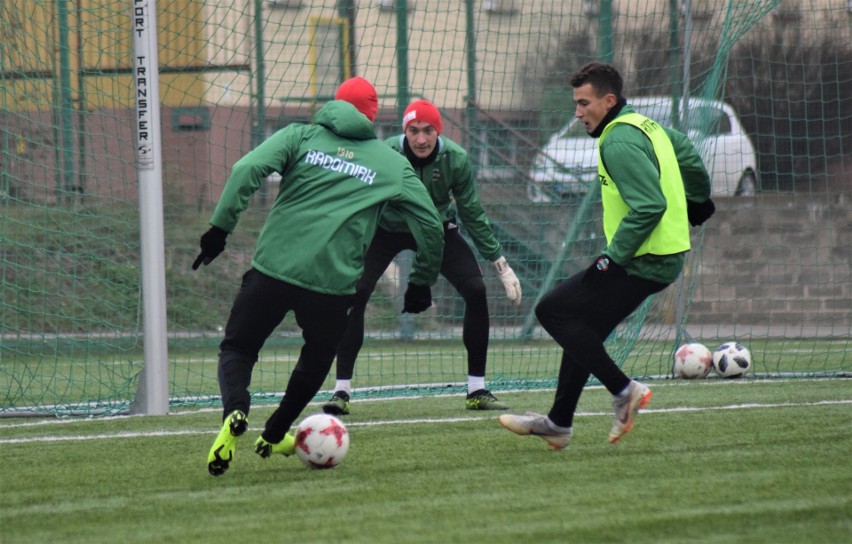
[152,395]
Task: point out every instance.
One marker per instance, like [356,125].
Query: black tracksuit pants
[260,305]
[580,318]
[459,266]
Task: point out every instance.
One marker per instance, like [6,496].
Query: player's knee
[361,298]
[544,311]
[472,291]
[230,356]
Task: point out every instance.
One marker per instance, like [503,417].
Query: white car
[567,164]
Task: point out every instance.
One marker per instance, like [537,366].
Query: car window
[708,120]
[659,112]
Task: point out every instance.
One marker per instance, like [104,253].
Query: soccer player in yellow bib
[653,186]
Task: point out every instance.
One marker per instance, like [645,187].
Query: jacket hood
[343,119]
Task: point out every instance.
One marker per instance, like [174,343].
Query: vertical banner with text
[152,393]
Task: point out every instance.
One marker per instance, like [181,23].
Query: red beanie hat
[360,93]
[422,110]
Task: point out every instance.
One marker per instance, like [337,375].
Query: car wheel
[747,185]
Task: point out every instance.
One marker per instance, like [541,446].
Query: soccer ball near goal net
[692,361]
[731,360]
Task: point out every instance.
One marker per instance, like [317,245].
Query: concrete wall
[777,259]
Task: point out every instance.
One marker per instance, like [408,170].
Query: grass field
[708,461]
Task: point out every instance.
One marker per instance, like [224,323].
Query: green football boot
[222,452]
[286,447]
[338,405]
[483,400]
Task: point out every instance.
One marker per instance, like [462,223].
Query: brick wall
[776,259]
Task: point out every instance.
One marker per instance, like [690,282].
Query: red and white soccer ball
[692,361]
[321,441]
[731,360]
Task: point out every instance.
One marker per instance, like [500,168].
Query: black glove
[212,244]
[699,212]
[603,267]
[417,298]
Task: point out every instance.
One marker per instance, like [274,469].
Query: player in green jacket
[445,170]
[336,178]
[653,186]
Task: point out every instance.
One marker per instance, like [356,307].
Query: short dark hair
[603,77]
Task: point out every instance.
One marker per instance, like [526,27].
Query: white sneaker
[626,407]
[536,424]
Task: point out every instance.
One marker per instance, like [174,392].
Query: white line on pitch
[418,421]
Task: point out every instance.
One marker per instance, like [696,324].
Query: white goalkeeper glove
[509,280]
